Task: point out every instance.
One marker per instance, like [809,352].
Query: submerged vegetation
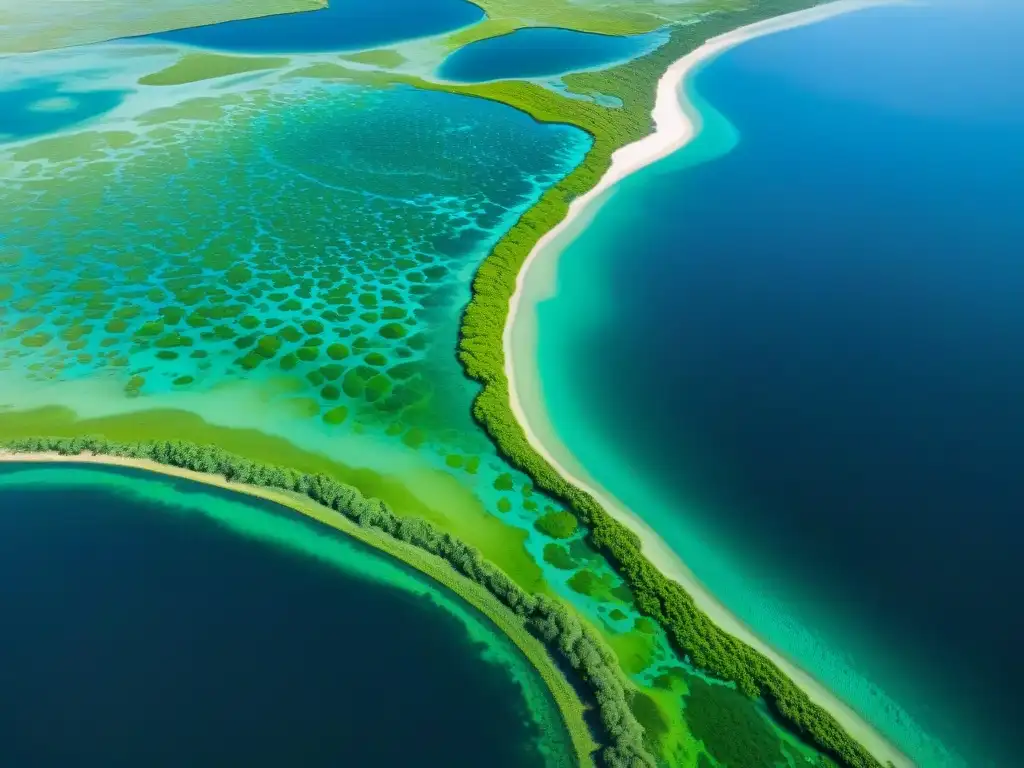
[562,632]
[557,525]
[716,713]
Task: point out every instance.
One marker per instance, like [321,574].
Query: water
[343,270]
[50,24]
[542,52]
[800,361]
[159,622]
[275,262]
[45,107]
[277,265]
[345,25]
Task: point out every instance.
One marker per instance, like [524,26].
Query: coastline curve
[675,127]
[550,636]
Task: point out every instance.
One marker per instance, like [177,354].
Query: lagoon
[542,52]
[156,621]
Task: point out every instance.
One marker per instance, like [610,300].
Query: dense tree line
[482,355]
[552,622]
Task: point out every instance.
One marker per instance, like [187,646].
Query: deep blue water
[542,52]
[44,107]
[138,631]
[810,353]
[343,25]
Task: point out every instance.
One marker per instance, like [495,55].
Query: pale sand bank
[675,126]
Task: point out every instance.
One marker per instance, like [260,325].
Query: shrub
[557,525]
[393,331]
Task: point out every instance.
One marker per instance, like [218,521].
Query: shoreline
[566,700]
[676,125]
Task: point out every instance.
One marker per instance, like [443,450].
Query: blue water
[43,106]
[801,361]
[157,622]
[542,52]
[344,25]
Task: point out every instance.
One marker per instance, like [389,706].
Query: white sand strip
[674,128]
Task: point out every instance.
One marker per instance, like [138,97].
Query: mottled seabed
[542,53]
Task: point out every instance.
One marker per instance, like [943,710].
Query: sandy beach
[676,125]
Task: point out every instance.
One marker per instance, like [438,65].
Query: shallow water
[345,25]
[44,107]
[798,361]
[542,52]
[48,24]
[161,622]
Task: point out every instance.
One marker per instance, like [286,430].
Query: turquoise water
[154,621]
[794,349]
[344,25]
[43,107]
[341,269]
[538,52]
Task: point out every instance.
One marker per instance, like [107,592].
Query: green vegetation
[380,58]
[636,651]
[204,66]
[717,713]
[336,415]
[504,482]
[480,350]
[610,17]
[557,525]
[557,556]
[600,586]
[565,636]
[584,582]
[482,356]
[34,26]
[393,331]
[447,504]
[337,351]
